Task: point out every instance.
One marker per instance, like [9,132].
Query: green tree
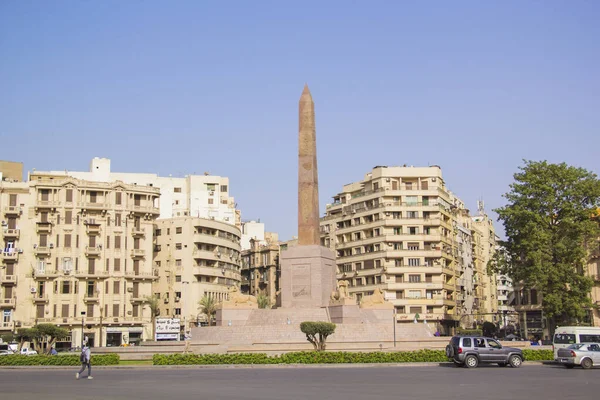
[25,335]
[46,336]
[488,329]
[263,301]
[317,333]
[153,303]
[208,307]
[550,229]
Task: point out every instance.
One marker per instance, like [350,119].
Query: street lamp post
[82,322]
[183,294]
[394,326]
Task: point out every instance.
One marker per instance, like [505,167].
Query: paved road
[314,383]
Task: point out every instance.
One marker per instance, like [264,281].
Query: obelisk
[308,177]
[307,270]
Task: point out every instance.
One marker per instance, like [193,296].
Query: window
[424,185]
[413,246]
[178,311]
[67,264]
[467,342]
[412,214]
[414,294]
[377,263]
[157,232]
[413,230]
[66,287]
[493,344]
[178,263]
[223,188]
[178,278]
[211,201]
[116,287]
[177,190]
[115,310]
[117,264]
[415,310]
[67,240]
[178,246]
[408,186]
[589,338]
[117,219]
[117,242]
[65,311]
[414,262]
[564,338]
[178,230]
[68,217]
[118,199]
[69,197]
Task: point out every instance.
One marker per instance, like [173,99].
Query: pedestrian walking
[85,358]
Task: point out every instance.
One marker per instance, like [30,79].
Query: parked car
[565,336]
[584,354]
[470,351]
[28,352]
[5,352]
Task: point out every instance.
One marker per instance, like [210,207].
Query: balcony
[6,325]
[40,298]
[138,253]
[92,251]
[86,205]
[146,209]
[137,298]
[8,280]
[8,303]
[44,204]
[91,227]
[46,273]
[44,227]
[91,297]
[11,233]
[138,232]
[10,255]
[42,250]
[12,210]
[140,275]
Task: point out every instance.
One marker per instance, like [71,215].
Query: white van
[564,336]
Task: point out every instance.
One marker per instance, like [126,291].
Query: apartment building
[83,251]
[506,300]
[194,257]
[401,229]
[202,196]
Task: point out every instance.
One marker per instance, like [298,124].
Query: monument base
[308,276]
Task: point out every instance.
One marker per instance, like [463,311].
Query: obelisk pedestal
[308,271]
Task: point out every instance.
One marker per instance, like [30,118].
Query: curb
[256,366]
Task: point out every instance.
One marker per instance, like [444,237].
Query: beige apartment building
[77,250]
[401,230]
[261,269]
[194,257]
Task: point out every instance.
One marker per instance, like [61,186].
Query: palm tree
[208,307]
[153,304]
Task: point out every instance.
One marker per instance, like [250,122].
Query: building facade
[194,257]
[401,230]
[202,196]
[81,258]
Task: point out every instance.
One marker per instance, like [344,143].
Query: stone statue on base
[239,300]
[376,301]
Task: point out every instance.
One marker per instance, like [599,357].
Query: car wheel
[471,362]
[587,363]
[567,366]
[515,361]
[449,351]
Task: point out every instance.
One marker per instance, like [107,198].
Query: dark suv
[472,350]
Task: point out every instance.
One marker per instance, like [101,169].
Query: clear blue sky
[191,86]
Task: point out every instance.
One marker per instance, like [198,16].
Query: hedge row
[323,358]
[538,355]
[21,360]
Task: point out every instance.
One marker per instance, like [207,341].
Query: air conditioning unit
[166,301]
[20,251]
[35,246]
[433,179]
[51,245]
[116,319]
[4,223]
[64,320]
[129,312]
[176,299]
[85,221]
[33,290]
[129,289]
[67,271]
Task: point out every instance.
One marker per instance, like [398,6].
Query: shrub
[538,355]
[71,359]
[317,333]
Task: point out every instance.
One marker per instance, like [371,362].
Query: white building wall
[252,230]
[192,198]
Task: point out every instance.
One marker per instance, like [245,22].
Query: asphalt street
[314,383]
